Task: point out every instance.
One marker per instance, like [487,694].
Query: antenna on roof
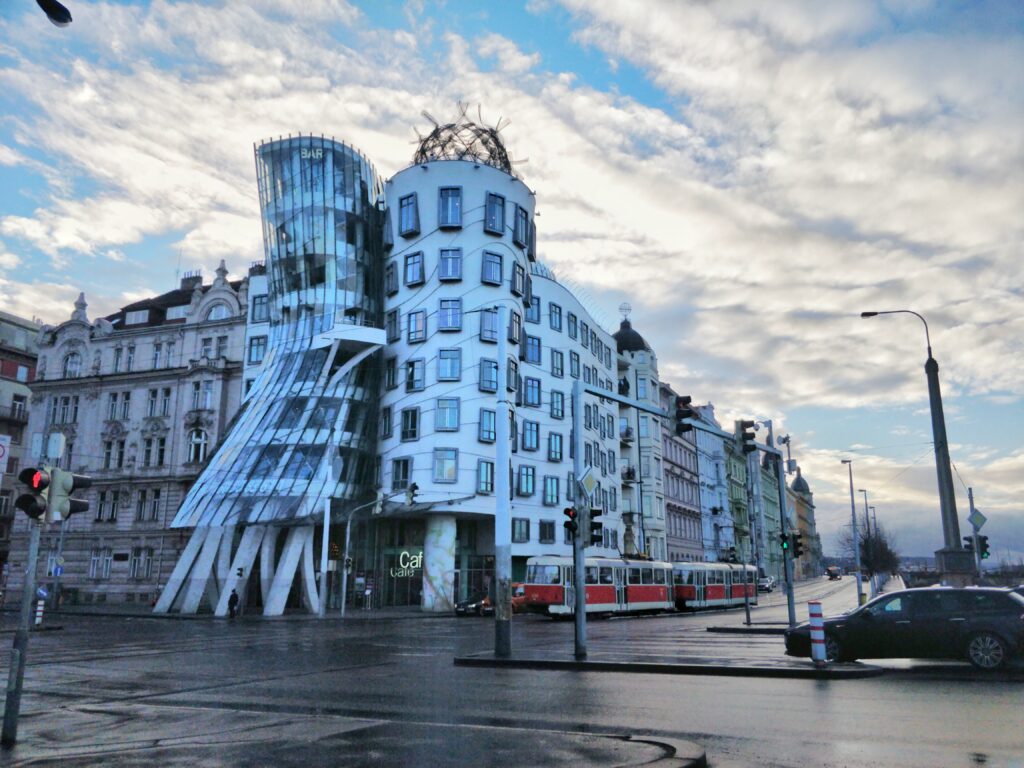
[177,272]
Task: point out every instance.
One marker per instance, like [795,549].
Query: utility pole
[502,500]
[787,560]
[856,536]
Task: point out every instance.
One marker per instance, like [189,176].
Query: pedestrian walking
[232,604]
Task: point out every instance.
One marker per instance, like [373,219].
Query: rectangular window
[494,214]
[520,530]
[491,272]
[391,278]
[165,402]
[527,479]
[489,325]
[257,349]
[222,346]
[408,216]
[158,351]
[449,365]
[485,476]
[151,403]
[449,208]
[111,407]
[446,414]
[521,227]
[547,531]
[417,330]
[573,331]
[584,335]
[446,465]
[488,431]
[450,265]
[414,268]
[533,310]
[531,435]
[206,347]
[207,395]
[260,309]
[488,375]
[532,351]
[410,424]
[557,364]
[126,405]
[401,469]
[385,422]
[570,487]
[415,375]
[574,364]
[118,354]
[550,491]
[518,279]
[140,506]
[129,364]
[554,446]
[515,327]
[555,317]
[136,316]
[532,394]
[449,316]
[390,372]
[391,325]
[512,376]
[557,405]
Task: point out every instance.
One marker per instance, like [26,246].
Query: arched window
[197,444]
[72,367]
[218,312]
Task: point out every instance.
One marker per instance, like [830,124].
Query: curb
[662,668]
[684,754]
[748,630]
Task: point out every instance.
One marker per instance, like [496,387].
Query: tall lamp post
[953,561]
[856,536]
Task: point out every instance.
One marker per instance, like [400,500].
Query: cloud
[510,58]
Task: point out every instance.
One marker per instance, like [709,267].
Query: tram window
[542,574]
[647,575]
[659,576]
[591,573]
[606,576]
[634,575]
[678,577]
[570,578]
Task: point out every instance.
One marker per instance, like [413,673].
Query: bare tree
[878,550]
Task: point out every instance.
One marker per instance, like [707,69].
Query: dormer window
[177,313]
[136,316]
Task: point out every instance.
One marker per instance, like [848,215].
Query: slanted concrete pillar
[439,564]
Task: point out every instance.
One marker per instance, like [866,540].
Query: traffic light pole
[20,649]
[974,531]
[787,557]
[579,573]
[502,499]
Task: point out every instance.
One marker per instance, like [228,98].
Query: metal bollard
[817,633]
[39,612]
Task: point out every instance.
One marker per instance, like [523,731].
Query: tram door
[570,588]
[620,588]
[699,580]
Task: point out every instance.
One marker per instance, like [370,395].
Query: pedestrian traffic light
[983,547]
[683,412]
[798,545]
[969,543]
[596,528]
[34,502]
[747,438]
[571,524]
[410,493]
[60,505]
[784,541]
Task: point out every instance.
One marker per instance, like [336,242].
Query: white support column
[181,569]
[309,590]
[200,577]
[268,551]
[275,601]
[252,536]
[227,541]
[439,564]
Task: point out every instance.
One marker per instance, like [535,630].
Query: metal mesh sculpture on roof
[464,140]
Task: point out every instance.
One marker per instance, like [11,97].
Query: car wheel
[833,649]
[986,651]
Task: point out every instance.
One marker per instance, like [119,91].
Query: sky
[762,172]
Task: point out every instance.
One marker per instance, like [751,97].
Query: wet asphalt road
[135,691]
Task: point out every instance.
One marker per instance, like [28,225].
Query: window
[158,351]
[260,309]
[491,272]
[485,476]
[18,406]
[118,354]
[449,208]
[222,346]
[410,424]
[521,227]
[446,414]
[417,326]
[550,492]
[205,347]
[515,327]
[207,402]
[574,364]
[547,531]
[555,317]
[72,367]
[573,332]
[554,446]
[408,216]
[401,469]
[533,353]
[494,214]
[257,349]
[532,394]
[385,421]
[218,312]
[488,431]
[489,325]
[557,364]
[99,563]
[557,405]
[140,566]
[198,441]
[512,376]
[391,278]
[390,372]
[641,390]
[488,375]
[415,375]
[533,310]
[136,316]
[142,506]
[584,335]
[527,479]
[22,373]
[414,268]
[446,465]
[520,530]
[518,279]
[449,317]
[165,402]
[391,325]
[450,265]
[531,435]
[449,365]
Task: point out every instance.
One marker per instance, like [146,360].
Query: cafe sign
[408,563]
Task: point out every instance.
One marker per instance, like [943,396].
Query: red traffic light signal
[572,524]
[34,503]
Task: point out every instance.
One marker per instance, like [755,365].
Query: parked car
[477,605]
[983,625]
[766,584]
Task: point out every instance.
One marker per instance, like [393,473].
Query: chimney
[190,280]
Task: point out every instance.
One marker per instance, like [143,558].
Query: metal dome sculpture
[464,140]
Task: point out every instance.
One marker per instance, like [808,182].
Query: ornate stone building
[684,535]
[142,396]
[801,502]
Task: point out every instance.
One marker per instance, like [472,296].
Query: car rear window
[992,602]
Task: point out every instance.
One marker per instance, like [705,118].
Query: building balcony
[628,475]
[626,435]
[16,413]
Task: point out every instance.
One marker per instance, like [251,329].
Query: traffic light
[969,543]
[683,411]
[58,15]
[983,547]
[410,493]
[798,545]
[747,438]
[596,528]
[572,524]
[34,502]
[60,505]
[784,541]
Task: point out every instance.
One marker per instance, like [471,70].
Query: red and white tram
[622,586]
[613,586]
[713,585]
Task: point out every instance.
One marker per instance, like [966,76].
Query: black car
[985,626]
[477,605]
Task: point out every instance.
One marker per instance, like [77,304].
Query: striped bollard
[39,612]
[817,633]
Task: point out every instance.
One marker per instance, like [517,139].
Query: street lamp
[951,559]
[856,536]
[867,516]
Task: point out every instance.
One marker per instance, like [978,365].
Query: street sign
[59,559]
[588,482]
[977,519]
[58,570]
[43,592]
